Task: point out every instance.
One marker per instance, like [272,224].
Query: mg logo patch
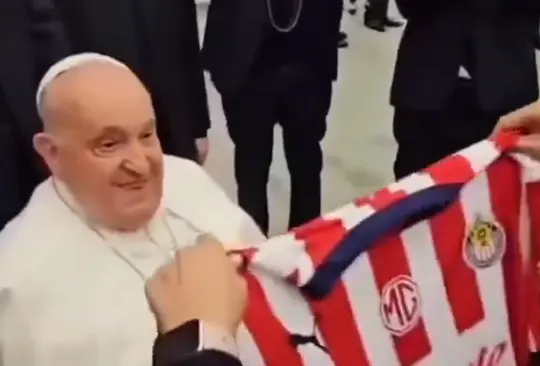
[400,305]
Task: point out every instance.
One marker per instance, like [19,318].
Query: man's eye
[108,145]
[147,135]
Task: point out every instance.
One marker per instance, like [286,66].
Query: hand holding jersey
[526,119]
[186,289]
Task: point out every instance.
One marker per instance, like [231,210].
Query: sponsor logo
[484,245]
[298,340]
[400,305]
[313,341]
[490,356]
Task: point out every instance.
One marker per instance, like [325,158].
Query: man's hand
[202,283]
[528,120]
[202,149]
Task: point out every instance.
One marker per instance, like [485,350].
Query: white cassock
[71,296]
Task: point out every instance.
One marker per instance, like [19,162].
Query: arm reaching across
[527,120]
[197,320]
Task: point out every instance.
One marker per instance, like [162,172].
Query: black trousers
[377,10]
[535,359]
[299,100]
[425,137]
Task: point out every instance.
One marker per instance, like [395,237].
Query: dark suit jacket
[158,40]
[31,40]
[208,358]
[166,346]
[235,28]
[499,36]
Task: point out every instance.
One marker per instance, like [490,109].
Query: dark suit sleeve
[170,349]
[410,9]
[193,70]
[48,34]
[526,7]
[405,8]
[207,358]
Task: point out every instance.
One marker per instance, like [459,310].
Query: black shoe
[343,40]
[392,23]
[375,24]
[372,20]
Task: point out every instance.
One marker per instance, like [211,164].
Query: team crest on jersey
[485,244]
[400,305]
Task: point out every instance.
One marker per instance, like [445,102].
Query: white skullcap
[67,64]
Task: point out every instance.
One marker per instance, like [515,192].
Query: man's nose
[137,160]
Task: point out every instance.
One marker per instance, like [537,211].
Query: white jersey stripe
[289,306]
[363,294]
[426,272]
[411,184]
[351,214]
[436,311]
[365,303]
[524,225]
[284,257]
[480,155]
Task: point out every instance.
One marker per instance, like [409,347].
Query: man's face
[109,155]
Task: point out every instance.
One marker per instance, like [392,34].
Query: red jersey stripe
[506,140]
[506,205]
[323,236]
[388,260]
[453,169]
[459,279]
[335,318]
[270,336]
[336,324]
[533,202]
[381,198]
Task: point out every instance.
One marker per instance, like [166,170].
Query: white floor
[358,148]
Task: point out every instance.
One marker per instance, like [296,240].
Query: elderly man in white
[73,264]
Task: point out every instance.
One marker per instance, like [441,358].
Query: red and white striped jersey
[432,270]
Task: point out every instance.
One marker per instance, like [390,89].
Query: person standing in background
[159,41]
[460,66]
[375,14]
[31,39]
[274,61]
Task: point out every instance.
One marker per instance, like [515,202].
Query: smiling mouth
[133,186]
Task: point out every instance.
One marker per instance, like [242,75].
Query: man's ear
[46,147]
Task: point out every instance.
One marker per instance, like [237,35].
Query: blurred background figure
[352,7]
[31,39]
[537,40]
[274,61]
[343,41]
[376,16]
[460,66]
[158,40]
